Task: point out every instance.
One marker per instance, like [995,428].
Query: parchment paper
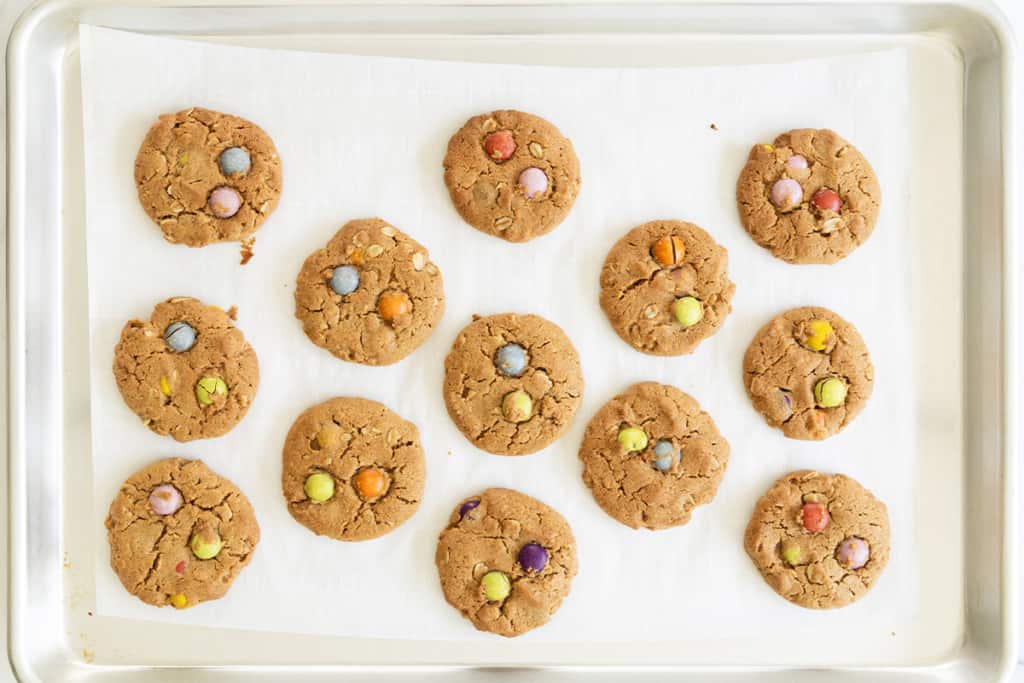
[365,136]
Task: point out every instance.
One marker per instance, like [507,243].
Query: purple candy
[853,553]
[467,506]
[787,193]
[533,557]
[534,182]
[796,161]
[224,202]
[165,499]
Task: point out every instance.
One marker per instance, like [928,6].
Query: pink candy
[224,202]
[787,194]
[853,553]
[797,161]
[534,182]
[165,499]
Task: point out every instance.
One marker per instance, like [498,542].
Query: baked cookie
[511,174]
[651,455]
[808,373]
[664,287]
[512,383]
[819,540]
[371,296]
[206,177]
[506,561]
[180,534]
[353,470]
[187,371]
[810,197]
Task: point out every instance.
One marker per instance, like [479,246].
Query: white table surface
[9,12]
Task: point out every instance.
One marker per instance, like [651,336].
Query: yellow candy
[816,334]
[165,386]
[183,158]
[768,148]
[179,601]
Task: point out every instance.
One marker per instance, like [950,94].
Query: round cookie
[651,455]
[819,540]
[512,383]
[371,296]
[506,561]
[664,287]
[511,174]
[187,371]
[808,373]
[810,197]
[205,177]
[180,534]
[353,470]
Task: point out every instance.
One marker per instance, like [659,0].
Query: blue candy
[665,455]
[345,280]
[234,160]
[180,336]
[511,360]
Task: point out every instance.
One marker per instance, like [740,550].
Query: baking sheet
[365,136]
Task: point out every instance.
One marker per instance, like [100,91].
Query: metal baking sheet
[53,633]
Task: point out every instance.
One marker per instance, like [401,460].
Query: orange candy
[390,305]
[370,483]
[669,251]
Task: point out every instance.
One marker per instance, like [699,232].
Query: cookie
[179,533]
[664,287]
[651,455]
[808,373]
[511,174]
[187,371]
[810,197]
[206,177]
[371,296]
[819,540]
[353,470]
[506,561]
[512,383]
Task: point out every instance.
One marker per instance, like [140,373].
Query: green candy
[633,439]
[830,392]
[791,553]
[496,586]
[688,311]
[319,487]
[208,387]
[206,544]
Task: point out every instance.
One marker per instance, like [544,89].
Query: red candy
[180,567]
[826,199]
[814,517]
[499,145]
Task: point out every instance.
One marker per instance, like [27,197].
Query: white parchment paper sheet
[365,137]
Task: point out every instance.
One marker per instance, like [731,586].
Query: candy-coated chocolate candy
[499,145]
[533,557]
[826,199]
[688,311]
[467,506]
[345,280]
[814,517]
[633,439]
[180,567]
[533,181]
[234,160]
[669,250]
[225,202]
[179,601]
[853,553]
[496,586]
[206,543]
[830,392]
[664,455]
[796,161]
[165,499]
[319,487]
[180,336]
[391,305]
[208,387]
[791,553]
[511,360]
[370,483]
[165,386]
[517,406]
[787,194]
[817,334]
